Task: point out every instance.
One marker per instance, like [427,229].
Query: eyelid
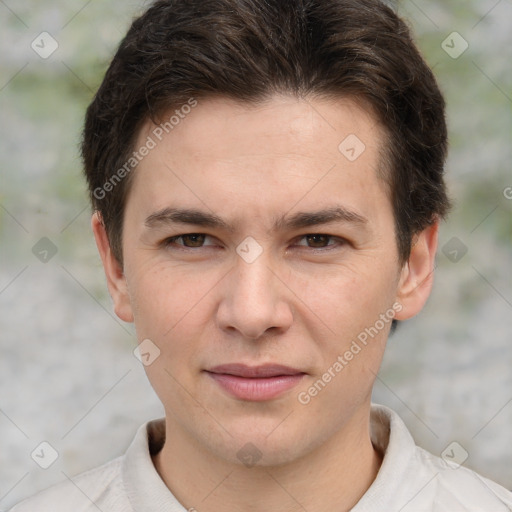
[335,238]
[172,239]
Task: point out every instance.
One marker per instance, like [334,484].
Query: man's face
[255,293]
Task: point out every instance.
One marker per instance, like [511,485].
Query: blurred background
[68,375]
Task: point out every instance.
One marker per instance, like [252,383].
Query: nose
[255,300]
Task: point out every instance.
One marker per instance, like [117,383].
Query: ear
[417,275]
[116,280]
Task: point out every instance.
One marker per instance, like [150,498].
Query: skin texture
[300,303]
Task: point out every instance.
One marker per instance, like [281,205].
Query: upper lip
[261,371]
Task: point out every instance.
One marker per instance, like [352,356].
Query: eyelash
[171,240]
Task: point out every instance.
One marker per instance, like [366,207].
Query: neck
[334,476]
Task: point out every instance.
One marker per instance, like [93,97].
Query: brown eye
[318,240]
[193,240]
[188,240]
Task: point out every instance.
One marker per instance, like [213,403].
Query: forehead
[223,127]
[266,156]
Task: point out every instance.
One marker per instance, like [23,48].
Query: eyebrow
[298,220]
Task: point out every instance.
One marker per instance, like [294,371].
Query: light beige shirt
[410,479]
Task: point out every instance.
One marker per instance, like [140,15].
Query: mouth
[255,383]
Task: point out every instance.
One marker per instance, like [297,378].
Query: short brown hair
[250,49]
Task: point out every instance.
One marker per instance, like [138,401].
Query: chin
[264,444]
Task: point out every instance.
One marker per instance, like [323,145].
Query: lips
[251,372]
[255,383]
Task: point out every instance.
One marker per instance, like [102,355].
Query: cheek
[352,350]
[169,311]
[163,295]
[172,309]
[359,312]
[349,294]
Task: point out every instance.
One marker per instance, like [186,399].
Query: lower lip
[254,389]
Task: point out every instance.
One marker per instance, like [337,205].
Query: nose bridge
[253,283]
[252,272]
[254,279]
[254,299]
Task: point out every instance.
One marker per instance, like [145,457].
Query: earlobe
[116,280]
[417,275]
